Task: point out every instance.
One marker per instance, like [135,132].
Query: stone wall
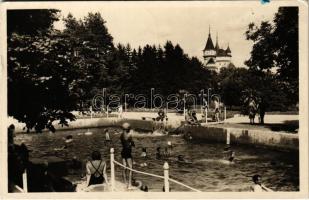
[276,140]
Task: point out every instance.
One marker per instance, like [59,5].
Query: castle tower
[217,43]
[215,57]
[228,51]
[209,50]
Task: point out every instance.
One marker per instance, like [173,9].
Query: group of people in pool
[96,167]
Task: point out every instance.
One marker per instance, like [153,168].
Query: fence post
[107,111]
[206,114]
[25,183]
[228,136]
[224,114]
[90,112]
[166,177]
[112,169]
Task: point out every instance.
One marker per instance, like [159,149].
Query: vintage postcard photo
[136,98]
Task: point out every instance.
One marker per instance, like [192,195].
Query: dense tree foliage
[237,84]
[31,21]
[40,78]
[276,46]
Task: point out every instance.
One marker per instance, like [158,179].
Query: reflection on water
[206,170]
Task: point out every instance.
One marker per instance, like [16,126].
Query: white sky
[185,23]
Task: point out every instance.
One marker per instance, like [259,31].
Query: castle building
[214,57]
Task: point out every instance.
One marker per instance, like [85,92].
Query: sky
[183,23]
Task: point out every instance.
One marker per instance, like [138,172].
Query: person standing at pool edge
[11,135]
[217,109]
[126,153]
[261,109]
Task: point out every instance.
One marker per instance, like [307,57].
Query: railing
[165,177]
[25,184]
[206,115]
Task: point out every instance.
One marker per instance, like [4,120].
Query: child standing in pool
[229,154]
[144,156]
[107,137]
[169,148]
[158,153]
[144,153]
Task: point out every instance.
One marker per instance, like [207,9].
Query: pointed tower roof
[217,44]
[211,61]
[228,50]
[209,43]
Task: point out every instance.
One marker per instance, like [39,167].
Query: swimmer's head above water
[96,155]
[126,126]
[256,179]
[180,158]
[227,148]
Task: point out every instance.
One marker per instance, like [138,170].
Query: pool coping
[206,132]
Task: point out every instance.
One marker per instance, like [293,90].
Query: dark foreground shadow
[40,177]
[291,126]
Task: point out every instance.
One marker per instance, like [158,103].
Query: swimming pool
[209,171]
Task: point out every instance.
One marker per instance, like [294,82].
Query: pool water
[207,170]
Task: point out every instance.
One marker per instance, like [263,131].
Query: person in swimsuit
[144,152]
[11,135]
[217,110]
[161,115]
[232,156]
[96,170]
[126,153]
[107,137]
[252,110]
[68,139]
[258,186]
[139,184]
[158,154]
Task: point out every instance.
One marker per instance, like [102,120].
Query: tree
[276,46]
[31,21]
[41,79]
[93,53]
[237,84]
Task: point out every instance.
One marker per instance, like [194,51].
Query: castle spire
[209,30]
[228,50]
[209,44]
[217,42]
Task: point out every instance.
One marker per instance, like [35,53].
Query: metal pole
[91,112]
[228,136]
[107,111]
[166,177]
[208,103]
[206,114]
[184,106]
[25,183]
[112,169]
[224,113]
[151,93]
[103,94]
[125,103]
